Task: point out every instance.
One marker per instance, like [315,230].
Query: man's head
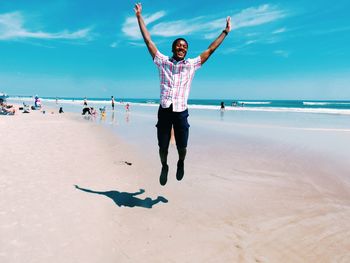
[179,49]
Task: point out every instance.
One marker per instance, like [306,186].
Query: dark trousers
[168,118]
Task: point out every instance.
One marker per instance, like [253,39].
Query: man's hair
[175,41]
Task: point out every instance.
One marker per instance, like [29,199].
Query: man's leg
[181,129]
[163,134]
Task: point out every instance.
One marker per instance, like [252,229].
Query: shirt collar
[184,61]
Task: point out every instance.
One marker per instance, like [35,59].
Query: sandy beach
[70,192]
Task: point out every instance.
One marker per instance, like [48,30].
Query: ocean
[312,106]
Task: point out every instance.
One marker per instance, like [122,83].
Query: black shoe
[180,170]
[164,174]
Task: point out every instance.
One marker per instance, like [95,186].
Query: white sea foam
[275,109]
[255,102]
[203,107]
[144,104]
[302,110]
[316,103]
[313,103]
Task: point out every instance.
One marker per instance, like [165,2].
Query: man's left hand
[228,24]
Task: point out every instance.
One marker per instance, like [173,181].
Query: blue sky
[276,50]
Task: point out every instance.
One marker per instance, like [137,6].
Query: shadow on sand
[127,199]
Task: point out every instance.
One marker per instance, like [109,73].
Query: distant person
[61,110]
[103,109]
[6,109]
[222,106]
[86,110]
[103,115]
[112,101]
[176,75]
[222,110]
[93,111]
[127,107]
[37,102]
[85,101]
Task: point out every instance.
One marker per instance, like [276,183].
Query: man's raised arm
[213,46]
[146,36]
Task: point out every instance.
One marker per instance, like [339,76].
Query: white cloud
[114,44]
[255,16]
[175,28]
[12,27]
[185,27]
[252,34]
[282,53]
[250,17]
[137,44]
[211,35]
[230,50]
[279,31]
[131,27]
[249,42]
[333,30]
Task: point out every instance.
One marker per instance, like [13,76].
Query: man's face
[180,50]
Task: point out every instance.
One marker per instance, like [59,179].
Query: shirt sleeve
[159,58]
[196,62]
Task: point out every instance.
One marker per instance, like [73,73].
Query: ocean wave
[145,104]
[316,103]
[254,102]
[313,103]
[274,109]
[297,110]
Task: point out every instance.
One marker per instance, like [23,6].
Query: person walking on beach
[222,106]
[176,74]
[112,101]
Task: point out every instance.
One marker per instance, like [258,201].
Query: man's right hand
[138,9]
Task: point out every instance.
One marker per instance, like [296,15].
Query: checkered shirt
[175,80]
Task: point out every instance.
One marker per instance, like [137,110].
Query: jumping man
[176,74]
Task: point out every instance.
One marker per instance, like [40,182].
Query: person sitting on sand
[86,110]
[93,111]
[103,109]
[176,74]
[7,109]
